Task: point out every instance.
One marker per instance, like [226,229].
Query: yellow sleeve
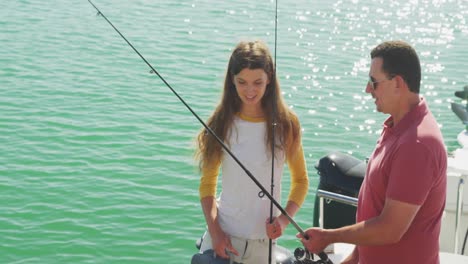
[299,178]
[209,180]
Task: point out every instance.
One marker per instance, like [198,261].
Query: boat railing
[326,196]
[331,196]
[459,209]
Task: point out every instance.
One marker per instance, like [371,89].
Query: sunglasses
[373,84]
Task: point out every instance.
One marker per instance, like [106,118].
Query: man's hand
[317,240]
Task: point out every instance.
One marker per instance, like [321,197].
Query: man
[402,198]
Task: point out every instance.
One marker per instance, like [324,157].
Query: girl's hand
[276,228]
[222,244]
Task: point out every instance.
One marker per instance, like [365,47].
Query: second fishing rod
[324,258]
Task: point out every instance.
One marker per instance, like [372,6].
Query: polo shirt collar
[412,116]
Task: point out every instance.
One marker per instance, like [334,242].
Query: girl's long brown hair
[251,55]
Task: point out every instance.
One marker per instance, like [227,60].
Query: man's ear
[401,85]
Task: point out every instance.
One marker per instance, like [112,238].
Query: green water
[96,153]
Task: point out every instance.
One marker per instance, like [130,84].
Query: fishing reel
[303,256]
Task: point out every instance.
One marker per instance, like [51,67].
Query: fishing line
[153,70]
[322,255]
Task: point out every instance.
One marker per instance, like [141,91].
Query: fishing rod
[273,129]
[302,255]
[322,255]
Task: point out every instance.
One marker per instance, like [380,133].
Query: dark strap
[208,257]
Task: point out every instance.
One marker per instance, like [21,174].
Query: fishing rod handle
[324,257]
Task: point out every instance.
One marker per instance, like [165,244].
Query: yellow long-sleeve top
[241,212]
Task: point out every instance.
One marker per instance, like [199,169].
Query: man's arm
[387,228]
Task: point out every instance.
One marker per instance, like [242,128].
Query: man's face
[381,87]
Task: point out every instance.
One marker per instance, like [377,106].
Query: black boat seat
[343,174]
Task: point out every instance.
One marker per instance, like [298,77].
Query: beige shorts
[251,251]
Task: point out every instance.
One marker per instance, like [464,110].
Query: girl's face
[251,86]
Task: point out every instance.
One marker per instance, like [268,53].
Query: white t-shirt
[241,211]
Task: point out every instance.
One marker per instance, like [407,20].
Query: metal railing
[330,196]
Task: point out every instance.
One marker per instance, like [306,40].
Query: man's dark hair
[399,58]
